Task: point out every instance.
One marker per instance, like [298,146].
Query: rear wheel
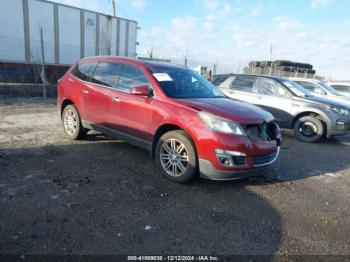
[176,156]
[309,129]
[72,123]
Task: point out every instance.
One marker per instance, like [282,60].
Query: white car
[342,88]
[320,88]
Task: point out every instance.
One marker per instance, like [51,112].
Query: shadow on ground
[103,196]
[106,197]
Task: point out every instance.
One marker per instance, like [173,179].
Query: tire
[309,129]
[72,123]
[169,161]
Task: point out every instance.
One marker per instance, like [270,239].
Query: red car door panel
[95,99]
[131,114]
[97,94]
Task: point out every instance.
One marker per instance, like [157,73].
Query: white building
[69,33]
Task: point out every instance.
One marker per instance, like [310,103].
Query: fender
[315,111]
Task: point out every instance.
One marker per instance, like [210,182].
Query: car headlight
[339,110]
[219,124]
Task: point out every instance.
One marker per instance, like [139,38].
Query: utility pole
[270,59]
[215,66]
[113,6]
[186,57]
[150,53]
[43,75]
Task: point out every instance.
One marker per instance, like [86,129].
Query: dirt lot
[102,196]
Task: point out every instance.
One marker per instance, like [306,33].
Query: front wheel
[176,156]
[309,129]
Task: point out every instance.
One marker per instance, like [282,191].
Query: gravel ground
[103,196]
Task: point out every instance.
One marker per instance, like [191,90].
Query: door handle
[85,91]
[116,99]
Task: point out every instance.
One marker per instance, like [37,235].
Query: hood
[326,100]
[233,110]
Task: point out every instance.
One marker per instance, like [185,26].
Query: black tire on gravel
[190,171]
[302,127]
[79,132]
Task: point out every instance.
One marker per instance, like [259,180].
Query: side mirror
[140,90]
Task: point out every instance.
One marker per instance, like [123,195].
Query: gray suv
[293,107]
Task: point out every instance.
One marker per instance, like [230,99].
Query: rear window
[342,88]
[219,79]
[243,83]
[84,71]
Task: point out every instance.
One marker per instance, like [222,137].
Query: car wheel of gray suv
[308,129]
[72,123]
[176,156]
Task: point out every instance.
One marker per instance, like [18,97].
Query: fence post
[43,75]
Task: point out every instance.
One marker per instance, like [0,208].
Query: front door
[131,114]
[274,98]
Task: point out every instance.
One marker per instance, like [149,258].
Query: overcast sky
[234,32]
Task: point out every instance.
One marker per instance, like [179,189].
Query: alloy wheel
[70,122]
[174,157]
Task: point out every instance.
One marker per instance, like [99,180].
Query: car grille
[264,159]
[239,160]
[261,132]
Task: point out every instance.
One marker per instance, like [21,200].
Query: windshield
[183,83]
[329,89]
[297,89]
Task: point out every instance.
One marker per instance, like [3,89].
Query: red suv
[184,121]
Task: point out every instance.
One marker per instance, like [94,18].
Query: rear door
[97,93]
[83,72]
[241,88]
[131,114]
[274,98]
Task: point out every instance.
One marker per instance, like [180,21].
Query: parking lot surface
[103,196]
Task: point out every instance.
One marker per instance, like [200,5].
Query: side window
[271,87]
[311,87]
[84,71]
[243,83]
[131,77]
[341,88]
[218,80]
[106,74]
